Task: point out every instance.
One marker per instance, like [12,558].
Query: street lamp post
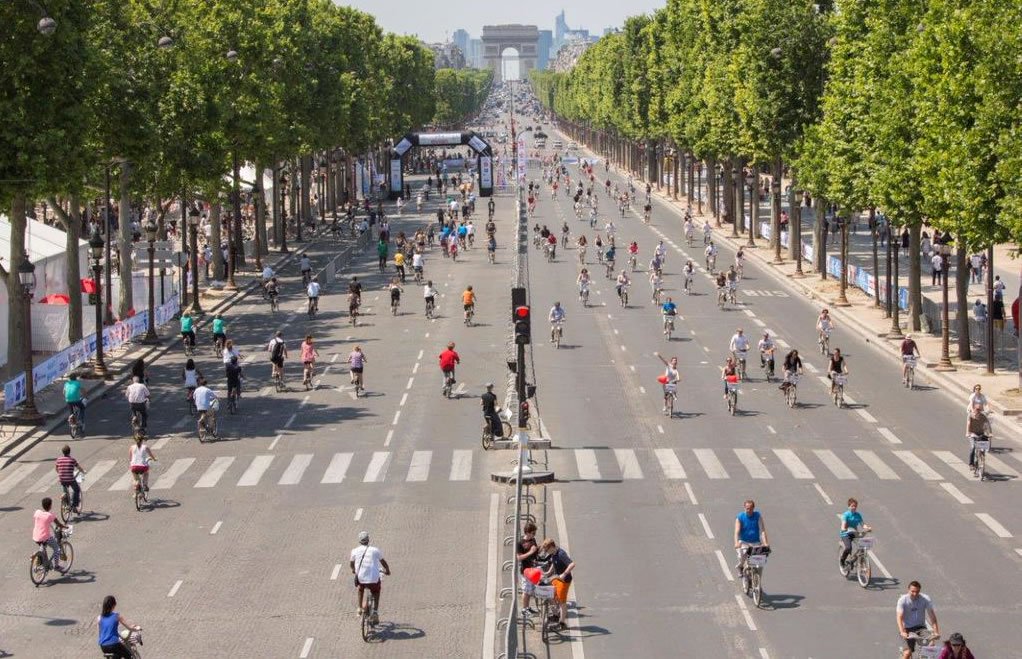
[322,191]
[193,261]
[150,333]
[96,244]
[28,415]
[945,326]
[893,290]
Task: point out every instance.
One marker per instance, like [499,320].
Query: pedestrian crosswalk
[462,465]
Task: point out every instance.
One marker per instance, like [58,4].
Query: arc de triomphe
[523,38]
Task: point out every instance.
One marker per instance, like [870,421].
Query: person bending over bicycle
[491,411]
[851,526]
[138,400]
[278,353]
[557,317]
[750,531]
[74,398]
[365,564]
[188,329]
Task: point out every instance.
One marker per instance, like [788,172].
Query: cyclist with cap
[955,648]
[365,564]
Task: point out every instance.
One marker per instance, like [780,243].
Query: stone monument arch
[523,38]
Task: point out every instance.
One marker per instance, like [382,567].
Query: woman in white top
[191,375]
[230,351]
[977,397]
[139,456]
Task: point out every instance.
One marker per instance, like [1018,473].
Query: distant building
[474,54]
[544,49]
[560,27]
[461,39]
[447,55]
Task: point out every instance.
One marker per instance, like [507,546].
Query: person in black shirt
[526,550]
[560,568]
[233,373]
[792,368]
[489,401]
[837,366]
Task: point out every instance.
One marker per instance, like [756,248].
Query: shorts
[277,361]
[373,588]
[527,586]
[911,642]
[220,335]
[468,306]
[561,590]
[139,469]
[358,369]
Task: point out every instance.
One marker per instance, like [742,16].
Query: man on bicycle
[766,351]
[622,283]
[42,530]
[739,345]
[557,317]
[74,399]
[278,353]
[429,295]
[205,402]
[66,466]
[138,398]
[355,289]
[233,373]
[669,311]
[365,564]
[914,610]
[711,256]
[977,427]
[750,531]
[671,375]
[489,403]
[909,351]
[188,329]
[448,360]
[468,300]
[306,267]
[312,291]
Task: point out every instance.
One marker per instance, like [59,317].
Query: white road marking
[745,613]
[122,483]
[575,638]
[490,598]
[418,469]
[710,464]
[397,415]
[669,463]
[628,463]
[390,436]
[615,331]
[377,469]
[410,382]
[752,463]
[691,494]
[823,494]
[888,435]
[1000,467]
[793,464]
[216,527]
[170,476]
[358,514]
[763,654]
[878,466]
[255,471]
[724,567]
[706,526]
[864,414]
[214,472]
[809,367]
[623,348]
[420,355]
[588,469]
[749,312]
[273,444]
[958,495]
[293,474]
[461,465]
[334,358]
[918,466]
[304,401]
[642,390]
[834,464]
[97,471]
[660,429]
[161,442]
[994,525]
[630,366]
[290,420]
[48,481]
[953,461]
[759,322]
[336,572]
[404,399]
[173,589]
[883,570]
[306,649]
[182,422]
[771,429]
[415,368]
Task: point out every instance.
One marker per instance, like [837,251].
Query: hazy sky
[432,21]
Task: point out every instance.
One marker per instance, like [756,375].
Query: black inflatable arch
[484,157]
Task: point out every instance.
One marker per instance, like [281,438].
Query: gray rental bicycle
[980,446]
[858,560]
[755,559]
[41,562]
[927,644]
[66,511]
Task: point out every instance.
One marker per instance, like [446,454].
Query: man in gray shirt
[913,610]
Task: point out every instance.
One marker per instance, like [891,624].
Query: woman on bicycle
[851,525]
[139,457]
[671,375]
[219,330]
[109,622]
[395,292]
[792,368]
[730,370]
[309,355]
[357,360]
[191,374]
[230,352]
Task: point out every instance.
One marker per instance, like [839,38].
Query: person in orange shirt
[468,301]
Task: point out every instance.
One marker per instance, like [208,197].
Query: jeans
[78,407]
[76,493]
[54,549]
[847,540]
[496,427]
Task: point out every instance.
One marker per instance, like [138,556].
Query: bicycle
[858,560]
[74,427]
[369,619]
[130,639]
[927,643]
[395,302]
[274,305]
[353,312]
[610,269]
[488,437]
[418,275]
[631,262]
[41,563]
[711,262]
[721,298]
[278,381]
[138,428]
[190,397]
[754,560]
[688,284]
[768,364]
[657,294]
[670,396]
[448,389]
[218,347]
[65,499]
[980,446]
[837,389]
[668,326]
[141,493]
[232,400]
[910,373]
[307,373]
[732,294]
[824,341]
[357,381]
[791,392]
[550,252]
[189,349]
[623,294]
[732,394]
[491,256]
[741,357]
[430,306]
[313,307]
[583,295]
[543,594]
[469,312]
[207,424]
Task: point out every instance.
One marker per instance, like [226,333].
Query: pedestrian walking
[937,263]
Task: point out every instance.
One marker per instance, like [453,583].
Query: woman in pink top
[309,355]
[42,521]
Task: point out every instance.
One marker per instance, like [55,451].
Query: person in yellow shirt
[468,300]
[399,263]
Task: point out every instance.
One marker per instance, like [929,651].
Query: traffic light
[522,325]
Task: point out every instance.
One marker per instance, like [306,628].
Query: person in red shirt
[448,360]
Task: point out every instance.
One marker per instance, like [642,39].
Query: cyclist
[955,648]
[109,622]
[395,292]
[669,310]
[732,280]
[138,399]
[355,288]
[491,247]
[792,369]
[750,531]
[448,360]
[491,227]
[205,404]
[188,329]
[739,344]
[633,250]
[233,373]
[557,316]
[230,352]
[74,398]
[689,272]
[139,457]
[914,609]
[909,351]
[711,256]
[491,207]
[824,324]
[740,262]
[468,300]
[381,254]
[730,370]
[312,291]
[399,264]
[278,353]
[305,266]
[418,262]
[647,212]
[611,231]
[689,230]
[977,397]
[608,259]
[489,403]
[707,232]
[583,282]
[671,374]
[309,355]
[42,529]
[837,366]
[977,426]
[65,467]
[656,283]
[551,245]
[661,252]
[272,290]
[622,283]
[268,274]
[767,347]
[190,374]
[219,332]
[429,295]
[357,361]
[851,524]
[565,233]
[365,564]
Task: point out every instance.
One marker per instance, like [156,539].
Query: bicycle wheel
[670,406]
[37,568]
[67,556]
[757,588]
[506,427]
[732,402]
[65,508]
[544,612]
[842,567]
[202,431]
[981,464]
[487,436]
[863,570]
[791,397]
[746,581]
[138,497]
[367,612]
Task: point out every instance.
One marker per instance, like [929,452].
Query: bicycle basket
[867,543]
[670,388]
[982,444]
[732,386]
[543,592]
[215,405]
[840,379]
[757,560]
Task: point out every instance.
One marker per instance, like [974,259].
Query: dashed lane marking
[724,567]
[216,527]
[173,589]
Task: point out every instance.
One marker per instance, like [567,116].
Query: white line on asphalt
[418,469]
[173,589]
[336,571]
[691,494]
[410,381]
[172,473]
[710,464]
[216,527]
[889,436]
[863,413]
[823,494]
[461,465]
[97,471]
[924,470]
[771,429]
[293,474]
[750,313]
[390,436]
[616,332]
[660,429]
[669,463]
[724,567]
[214,472]
[706,526]
[415,369]
[809,367]
[427,335]
[397,415]
[878,466]
[575,638]
[793,464]
[420,355]
[181,423]
[623,348]
[956,493]
[759,322]
[642,390]
[290,420]
[752,463]
[705,349]
[834,464]
[255,471]
[1019,551]
[334,358]
[273,444]
[994,525]
[304,401]
[745,613]
[588,467]
[377,469]
[763,654]
[404,398]
[628,463]
[490,598]
[956,463]
[306,649]
[161,442]
[631,366]
[883,570]
[358,514]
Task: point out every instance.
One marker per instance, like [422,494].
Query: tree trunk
[275,204]
[728,195]
[819,237]
[216,240]
[794,230]
[306,191]
[73,228]
[876,257]
[711,180]
[259,199]
[739,207]
[915,292]
[962,295]
[125,300]
[16,315]
[775,210]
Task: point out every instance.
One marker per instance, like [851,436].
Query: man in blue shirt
[851,523]
[750,531]
[670,308]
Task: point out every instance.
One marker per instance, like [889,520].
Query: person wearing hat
[909,351]
[489,402]
[365,564]
[955,648]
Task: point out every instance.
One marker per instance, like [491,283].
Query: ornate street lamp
[28,415]
[150,334]
[193,225]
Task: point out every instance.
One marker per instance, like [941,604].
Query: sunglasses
[956,645]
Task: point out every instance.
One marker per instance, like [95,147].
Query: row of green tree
[907,106]
[460,94]
[170,93]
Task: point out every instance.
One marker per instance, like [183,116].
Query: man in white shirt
[739,343]
[267,274]
[305,266]
[204,403]
[138,397]
[976,262]
[365,564]
[313,292]
[937,263]
[417,262]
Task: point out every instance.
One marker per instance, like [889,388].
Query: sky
[433,21]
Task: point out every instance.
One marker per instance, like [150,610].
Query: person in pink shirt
[309,355]
[42,529]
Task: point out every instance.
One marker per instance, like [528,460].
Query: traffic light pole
[523,419]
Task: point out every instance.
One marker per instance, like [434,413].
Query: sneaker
[530,611]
